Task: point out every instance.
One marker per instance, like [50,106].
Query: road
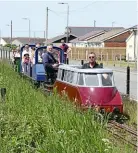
[120,80]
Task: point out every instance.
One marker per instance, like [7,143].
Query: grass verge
[32,123]
[130,109]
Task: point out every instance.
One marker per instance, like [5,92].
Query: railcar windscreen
[107,79]
[91,79]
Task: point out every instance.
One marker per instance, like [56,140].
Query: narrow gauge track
[125,133]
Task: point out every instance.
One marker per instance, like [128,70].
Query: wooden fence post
[107,58]
[86,55]
[101,56]
[78,54]
[120,59]
[71,54]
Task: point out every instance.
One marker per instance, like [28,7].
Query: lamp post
[67,20]
[46,26]
[113,24]
[0,37]
[10,25]
[29,27]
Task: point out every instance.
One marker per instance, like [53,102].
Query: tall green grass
[130,110]
[33,123]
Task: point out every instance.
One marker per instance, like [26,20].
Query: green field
[30,122]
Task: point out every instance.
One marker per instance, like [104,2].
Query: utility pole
[94,23]
[67,39]
[44,34]
[11,33]
[0,37]
[113,24]
[34,37]
[46,25]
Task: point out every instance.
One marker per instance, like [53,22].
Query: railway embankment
[32,122]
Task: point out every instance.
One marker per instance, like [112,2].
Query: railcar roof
[77,68]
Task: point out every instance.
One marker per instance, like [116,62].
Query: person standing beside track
[50,63]
[64,47]
[92,62]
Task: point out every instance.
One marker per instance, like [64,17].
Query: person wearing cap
[26,61]
[64,47]
[26,58]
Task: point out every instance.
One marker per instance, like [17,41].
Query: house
[20,41]
[81,31]
[57,40]
[132,45]
[4,41]
[98,41]
[82,41]
[117,39]
[93,38]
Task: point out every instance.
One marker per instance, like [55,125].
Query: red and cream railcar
[89,87]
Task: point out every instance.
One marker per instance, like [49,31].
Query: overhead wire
[55,13]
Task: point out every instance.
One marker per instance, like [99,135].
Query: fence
[106,53]
[114,56]
[5,53]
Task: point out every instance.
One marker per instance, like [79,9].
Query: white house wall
[89,44]
[130,48]
[2,42]
[17,43]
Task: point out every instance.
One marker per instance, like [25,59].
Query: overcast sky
[82,13]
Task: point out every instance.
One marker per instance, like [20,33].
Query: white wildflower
[105,150]
[61,131]
[105,140]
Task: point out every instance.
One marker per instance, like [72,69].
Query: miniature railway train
[86,87]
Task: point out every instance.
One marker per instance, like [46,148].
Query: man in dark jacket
[92,62]
[50,63]
[64,47]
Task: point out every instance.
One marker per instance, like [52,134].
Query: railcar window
[65,75]
[62,77]
[59,76]
[91,79]
[75,76]
[70,76]
[81,80]
[107,79]
[40,52]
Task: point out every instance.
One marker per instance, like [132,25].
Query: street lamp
[10,25]
[29,26]
[113,24]
[67,20]
[0,37]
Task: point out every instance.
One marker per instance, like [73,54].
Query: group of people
[50,63]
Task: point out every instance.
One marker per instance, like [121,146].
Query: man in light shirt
[26,50]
